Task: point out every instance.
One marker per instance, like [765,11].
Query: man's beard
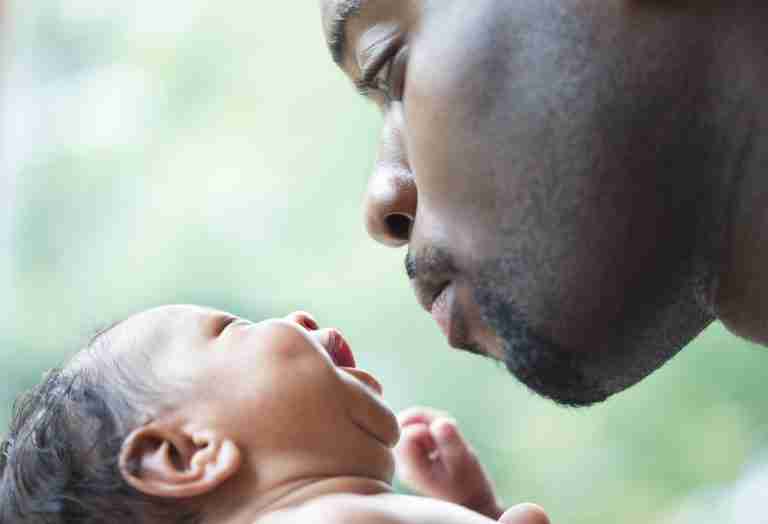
[652,334]
[542,365]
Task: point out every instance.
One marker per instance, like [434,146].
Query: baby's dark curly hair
[60,461]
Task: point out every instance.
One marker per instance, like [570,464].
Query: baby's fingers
[419,415]
[415,454]
[452,450]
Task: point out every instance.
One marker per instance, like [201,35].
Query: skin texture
[567,176]
[271,422]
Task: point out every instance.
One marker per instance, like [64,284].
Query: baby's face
[285,391]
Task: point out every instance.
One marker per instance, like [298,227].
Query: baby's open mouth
[343,358]
[339,350]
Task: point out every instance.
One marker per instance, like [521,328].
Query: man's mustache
[429,263]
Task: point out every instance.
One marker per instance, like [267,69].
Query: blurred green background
[209,152]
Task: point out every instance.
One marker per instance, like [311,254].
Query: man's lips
[447,294]
[441,309]
[440,302]
[444,303]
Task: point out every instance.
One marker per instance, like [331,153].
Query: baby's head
[181,414]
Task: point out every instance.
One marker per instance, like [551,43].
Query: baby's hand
[434,459]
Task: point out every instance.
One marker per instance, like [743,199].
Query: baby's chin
[366,378]
[369,412]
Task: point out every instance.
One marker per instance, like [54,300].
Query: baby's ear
[169,461]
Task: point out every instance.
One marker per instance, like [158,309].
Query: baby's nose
[303,319]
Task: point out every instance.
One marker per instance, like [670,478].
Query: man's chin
[554,373]
[655,324]
[570,391]
[568,377]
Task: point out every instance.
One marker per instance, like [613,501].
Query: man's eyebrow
[337,34]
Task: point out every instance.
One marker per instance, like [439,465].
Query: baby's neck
[310,489]
[299,492]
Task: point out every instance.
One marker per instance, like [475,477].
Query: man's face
[538,158]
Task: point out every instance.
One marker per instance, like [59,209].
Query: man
[579,182]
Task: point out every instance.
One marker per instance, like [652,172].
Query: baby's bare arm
[393,509]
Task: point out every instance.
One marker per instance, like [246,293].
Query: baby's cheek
[285,339]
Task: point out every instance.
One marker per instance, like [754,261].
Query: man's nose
[391,198]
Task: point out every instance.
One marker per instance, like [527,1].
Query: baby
[183,415]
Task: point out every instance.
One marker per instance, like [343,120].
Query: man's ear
[172,462]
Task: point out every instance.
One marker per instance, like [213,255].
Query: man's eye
[381,81]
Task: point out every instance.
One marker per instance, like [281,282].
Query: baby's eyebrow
[100,332]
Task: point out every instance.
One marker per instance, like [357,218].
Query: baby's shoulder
[375,509]
[341,509]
